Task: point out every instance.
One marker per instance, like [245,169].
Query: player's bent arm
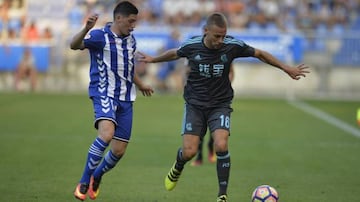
[269,59]
[145,89]
[77,41]
[137,81]
[166,56]
[231,72]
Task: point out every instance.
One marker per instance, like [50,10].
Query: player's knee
[106,136]
[118,152]
[118,148]
[221,146]
[189,153]
[106,130]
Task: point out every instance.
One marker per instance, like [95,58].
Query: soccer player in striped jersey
[208,93]
[112,90]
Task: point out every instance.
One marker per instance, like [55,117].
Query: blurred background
[324,34]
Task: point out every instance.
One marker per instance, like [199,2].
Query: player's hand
[142,57]
[297,72]
[91,21]
[146,90]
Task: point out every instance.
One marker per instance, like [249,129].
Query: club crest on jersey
[224,58]
[88,36]
[197,57]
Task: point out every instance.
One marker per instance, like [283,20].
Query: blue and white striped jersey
[112,64]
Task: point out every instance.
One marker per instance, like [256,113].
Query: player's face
[214,36]
[126,24]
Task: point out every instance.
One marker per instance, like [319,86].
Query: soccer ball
[264,193]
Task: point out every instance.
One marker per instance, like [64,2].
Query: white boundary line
[326,117]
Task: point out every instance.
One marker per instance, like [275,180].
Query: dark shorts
[121,113]
[196,120]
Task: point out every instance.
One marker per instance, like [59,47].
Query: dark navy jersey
[208,83]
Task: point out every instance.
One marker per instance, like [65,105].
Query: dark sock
[180,162]
[223,171]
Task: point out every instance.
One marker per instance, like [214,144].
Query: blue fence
[349,52]
[285,47]
[11,55]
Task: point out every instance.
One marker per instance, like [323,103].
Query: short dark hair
[125,8]
[217,19]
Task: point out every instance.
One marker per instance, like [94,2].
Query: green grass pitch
[45,137]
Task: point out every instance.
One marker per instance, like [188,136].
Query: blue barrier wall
[349,52]
[10,57]
[287,48]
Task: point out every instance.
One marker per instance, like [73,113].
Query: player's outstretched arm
[295,73]
[77,41]
[163,57]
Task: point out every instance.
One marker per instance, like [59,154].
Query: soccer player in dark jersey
[208,93]
[198,160]
[210,144]
[112,91]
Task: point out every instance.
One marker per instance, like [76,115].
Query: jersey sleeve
[239,47]
[181,51]
[187,47]
[244,50]
[94,40]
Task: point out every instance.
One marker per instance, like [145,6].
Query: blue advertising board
[287,48]
[11,55]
